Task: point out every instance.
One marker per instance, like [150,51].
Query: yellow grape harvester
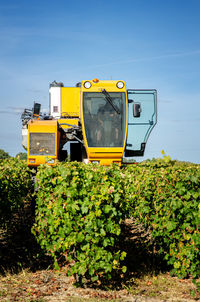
[95,122]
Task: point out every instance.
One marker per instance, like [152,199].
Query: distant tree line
[20,155]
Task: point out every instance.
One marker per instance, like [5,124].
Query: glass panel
[104,118]
[42,144]
[139,128]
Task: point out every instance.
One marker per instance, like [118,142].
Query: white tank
[25,137]
[55,101]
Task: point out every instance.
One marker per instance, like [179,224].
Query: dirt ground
[46,285]
[27,274]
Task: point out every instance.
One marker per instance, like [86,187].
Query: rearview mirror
[36,108]
[137,109]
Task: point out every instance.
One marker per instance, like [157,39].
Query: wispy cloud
[8,112]
[12,110]
[150,58]
[19,110]
[133,60]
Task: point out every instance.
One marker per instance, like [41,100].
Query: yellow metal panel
[111,86]
[109,152]
[105,156]
[42,126]
[70,101]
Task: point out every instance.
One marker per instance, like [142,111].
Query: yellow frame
[38,126]
[104,156]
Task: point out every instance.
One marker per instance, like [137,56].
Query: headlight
[120,85]
[50,161]
[87,85]
[32,161]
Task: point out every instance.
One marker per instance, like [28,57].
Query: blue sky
[149,44]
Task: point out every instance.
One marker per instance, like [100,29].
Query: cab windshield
[104,118]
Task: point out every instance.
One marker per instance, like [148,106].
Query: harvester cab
[102,121]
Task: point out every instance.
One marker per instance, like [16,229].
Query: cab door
[142,117]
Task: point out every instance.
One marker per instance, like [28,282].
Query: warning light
[95,80]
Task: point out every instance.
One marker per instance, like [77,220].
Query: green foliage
[15,183]
[79,213]
[80,209]
[21,155]
[3,154]
[165,196]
